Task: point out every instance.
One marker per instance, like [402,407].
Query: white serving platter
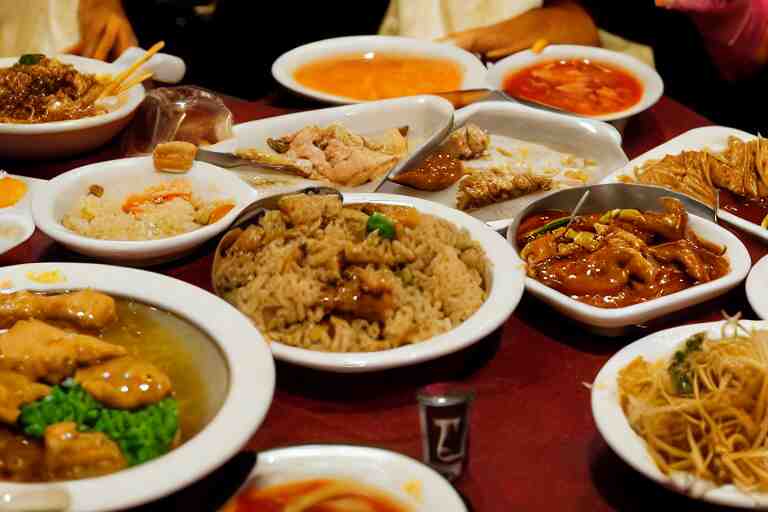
[713,138]
[428,119]
[615,429]
[544,136]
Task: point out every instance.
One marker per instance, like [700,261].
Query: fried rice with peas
[314,275]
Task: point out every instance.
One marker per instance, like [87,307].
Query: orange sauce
[580,86]
[277,497]
[375,76]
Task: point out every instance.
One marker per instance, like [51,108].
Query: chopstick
[132,82]
[119,79]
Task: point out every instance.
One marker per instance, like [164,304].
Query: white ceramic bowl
[132,175]
[506,289]
[383,469]
[428,119]
[286,65]
[505,120]
[610,321]
[653,86]
[757,282]
[237,366]
[64,138]
[615,429]
[16,225]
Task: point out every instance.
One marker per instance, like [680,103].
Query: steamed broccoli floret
[142,435]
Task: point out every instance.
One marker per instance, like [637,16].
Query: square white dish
[582,138]
[714,138]
[611,321]
[16,224]
[428,118]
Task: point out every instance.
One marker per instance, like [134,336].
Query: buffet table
[533,443]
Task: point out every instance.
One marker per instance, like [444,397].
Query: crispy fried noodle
[704,410]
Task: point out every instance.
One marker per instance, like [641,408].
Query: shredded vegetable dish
[704,410]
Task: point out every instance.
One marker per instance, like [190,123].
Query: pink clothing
[735,31]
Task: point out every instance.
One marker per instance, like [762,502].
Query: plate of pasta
[688,408]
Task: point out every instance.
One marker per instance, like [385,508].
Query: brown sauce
[753,210]
[631,257]
[438,171]
[148,334]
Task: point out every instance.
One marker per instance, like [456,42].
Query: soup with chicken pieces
[620,257]
[91,384]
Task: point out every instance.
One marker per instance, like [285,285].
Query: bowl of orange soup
[368,68]
[581,80]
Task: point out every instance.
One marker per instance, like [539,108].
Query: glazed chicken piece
[41,351]
[494,186]
[71,455]
[125,383]
[700,265]
[85,308]
[335,154]
[21,458]
[467,143]
[16,390]
[670,225]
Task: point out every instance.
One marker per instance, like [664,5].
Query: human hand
[104,30]
[698,5]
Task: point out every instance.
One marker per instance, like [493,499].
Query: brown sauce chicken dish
[619,257]
[90,384]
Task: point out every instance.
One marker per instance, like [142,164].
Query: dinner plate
[756,286]
[237,366]
[119,178]
[714,138]
[65,138]
[383,469]
[532,137]
[612,321]
[16,224]
[507,279]
[286,65]
[653,86]
[615,429]
[428,118]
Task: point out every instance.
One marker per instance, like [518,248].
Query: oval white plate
[713,138]
[247,399]
[428,119]
[286,65]
[132,175]
[583,138]
[756,286]
[16,225]
[653,86]
[610,319]
[506,290]
[615,429]
[383,469]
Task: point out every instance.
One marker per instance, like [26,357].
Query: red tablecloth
[533,446]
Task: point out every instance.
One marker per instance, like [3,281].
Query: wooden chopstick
[132,82]
[110,89]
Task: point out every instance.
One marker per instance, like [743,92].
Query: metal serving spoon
[250,215]
[466,97]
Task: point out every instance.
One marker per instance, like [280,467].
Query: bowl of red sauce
[579,80]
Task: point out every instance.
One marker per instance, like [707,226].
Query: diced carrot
[219,212]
